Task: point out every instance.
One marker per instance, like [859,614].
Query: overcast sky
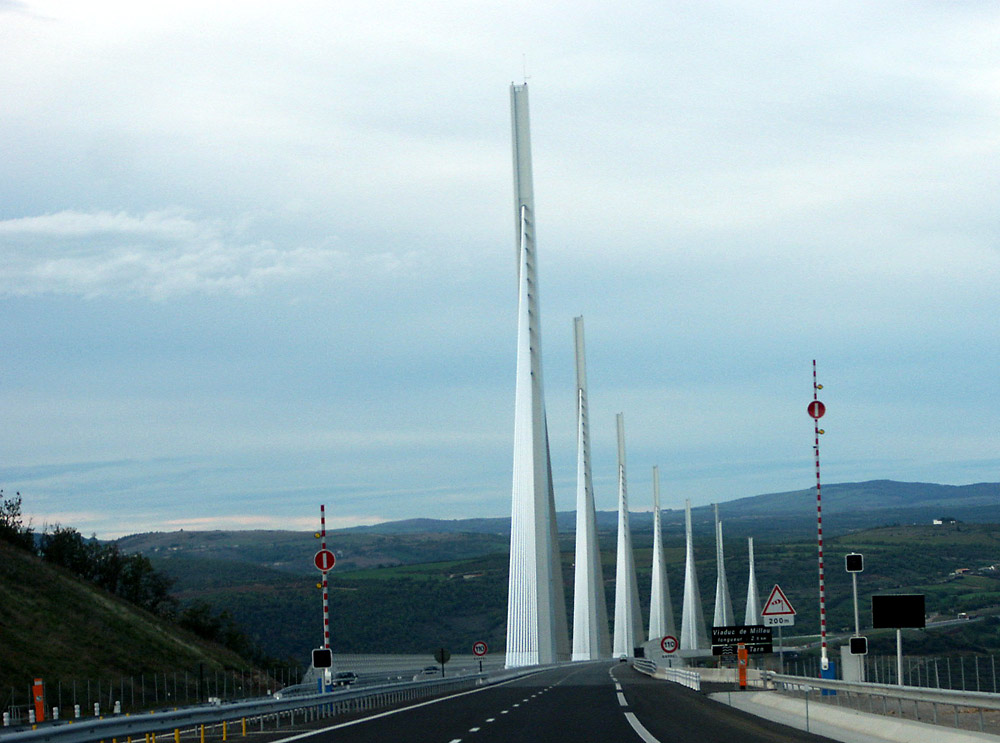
[255,257]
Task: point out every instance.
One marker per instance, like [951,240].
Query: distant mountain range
[846,507]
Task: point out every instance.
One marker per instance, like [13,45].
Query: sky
[258,257]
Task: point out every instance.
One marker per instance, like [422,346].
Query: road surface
[605,702]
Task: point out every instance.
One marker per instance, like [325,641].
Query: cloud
[159,255]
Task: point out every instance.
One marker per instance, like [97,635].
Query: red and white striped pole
[326,592]
[816,411]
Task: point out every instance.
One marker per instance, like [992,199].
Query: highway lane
[576,703]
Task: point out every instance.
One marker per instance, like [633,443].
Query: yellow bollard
[202,734]
[152,738]
[244,727]
[224,737]
[147,737]
[177,735]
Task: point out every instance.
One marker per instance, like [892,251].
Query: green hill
[88,645]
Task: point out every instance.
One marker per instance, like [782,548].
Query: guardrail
[682,676]
[972,700]
[310,706]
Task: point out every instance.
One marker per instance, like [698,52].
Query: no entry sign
[324,560]
[816,409]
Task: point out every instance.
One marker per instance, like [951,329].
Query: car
[428,672]
[344,678]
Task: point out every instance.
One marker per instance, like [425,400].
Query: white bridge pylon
[591,640]
[537,631]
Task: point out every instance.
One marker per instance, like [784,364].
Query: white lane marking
[350,723]
[491,719]
[473,730]
[516,705]
[455,740]
[503,712]
[621,700]
[640,729]
[618,687]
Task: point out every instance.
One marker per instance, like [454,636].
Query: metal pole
[899,657]
[781,652]
[857,622]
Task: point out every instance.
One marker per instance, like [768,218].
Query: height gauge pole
[816,410]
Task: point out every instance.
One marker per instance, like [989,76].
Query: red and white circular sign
[479,648]
[324,560]
[816,409]
[668,644]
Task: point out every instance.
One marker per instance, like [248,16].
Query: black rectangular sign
[756,637]
[898,611]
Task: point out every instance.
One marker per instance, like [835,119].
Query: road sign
[441,655]
[816,409]
[324,560]
[859,646]
[669,644]
[854,563]
[480,648]
[756,637]
[778,611]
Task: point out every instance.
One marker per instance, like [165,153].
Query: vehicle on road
[345,678]
[428,672]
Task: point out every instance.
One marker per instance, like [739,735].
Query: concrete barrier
[844,724]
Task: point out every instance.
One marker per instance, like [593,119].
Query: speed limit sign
[668,644]
[479,649]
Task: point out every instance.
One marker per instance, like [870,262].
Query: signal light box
[854,563]
[322,658]
[859,646]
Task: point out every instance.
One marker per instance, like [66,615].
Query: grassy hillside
[414,607]
[62,629]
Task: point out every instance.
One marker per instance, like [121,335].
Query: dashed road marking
[473,730]
[621,700]
[640,729]
[491,719]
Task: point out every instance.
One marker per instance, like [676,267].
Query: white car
[428,672]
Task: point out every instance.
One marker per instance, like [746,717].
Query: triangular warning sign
[777,605]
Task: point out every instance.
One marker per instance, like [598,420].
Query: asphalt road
[564,705]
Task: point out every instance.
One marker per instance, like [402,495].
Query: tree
[12,528]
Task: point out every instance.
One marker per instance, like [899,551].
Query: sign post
[897,611]
[324,560]
[816,410]
[441,655]
[479,650]
[778,612]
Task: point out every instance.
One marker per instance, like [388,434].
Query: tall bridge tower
[628,619]
[536,605]
[661,610]
[590,612]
